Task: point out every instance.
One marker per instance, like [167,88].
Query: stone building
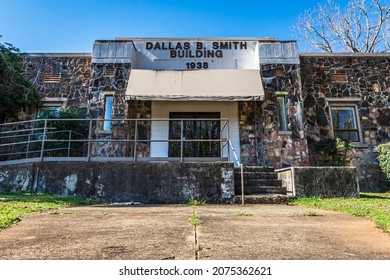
[271,102]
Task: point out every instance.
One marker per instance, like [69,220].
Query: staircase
[261,185]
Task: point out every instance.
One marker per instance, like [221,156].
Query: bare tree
[361,26]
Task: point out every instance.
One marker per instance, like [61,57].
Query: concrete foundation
[321,182]
[145,182]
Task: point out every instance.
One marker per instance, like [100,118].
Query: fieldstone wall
[324,182]
[274,147]
[362,77]
[262,141]
[251,133]
[145,182]
[74,72]
[109,78]
[82,85]
[113,77]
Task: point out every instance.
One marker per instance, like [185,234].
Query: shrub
[384,158]
[333,151]
[62,127]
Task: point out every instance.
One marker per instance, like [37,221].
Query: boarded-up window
[52,78]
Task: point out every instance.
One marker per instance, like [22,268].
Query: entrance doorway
[197,127]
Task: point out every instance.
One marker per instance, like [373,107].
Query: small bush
[192,201]
[384,158]
[194,220]
[333,151]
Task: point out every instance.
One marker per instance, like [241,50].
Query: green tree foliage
[63,124]
[384,158]
[62,119]
[17,95]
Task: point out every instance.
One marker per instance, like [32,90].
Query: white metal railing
[85,139]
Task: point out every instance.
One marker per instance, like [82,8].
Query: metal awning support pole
[242,184]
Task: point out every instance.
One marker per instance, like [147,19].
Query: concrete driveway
[275,232]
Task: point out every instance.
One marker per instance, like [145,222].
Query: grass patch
[375,206]
[311,214]
[244,214]
[14,205]
[62,213]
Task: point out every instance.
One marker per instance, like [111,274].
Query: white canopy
[196,85]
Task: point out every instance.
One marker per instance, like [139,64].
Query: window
[51,107]
[345,121]
[108,102]
[49,112]
[282,110]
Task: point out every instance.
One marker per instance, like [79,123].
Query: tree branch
[362,26]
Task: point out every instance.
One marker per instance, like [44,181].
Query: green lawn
[375,206]
[14,205]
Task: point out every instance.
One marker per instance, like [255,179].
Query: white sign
[196,55]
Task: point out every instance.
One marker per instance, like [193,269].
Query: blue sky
[73,25]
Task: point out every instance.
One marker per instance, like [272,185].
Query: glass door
[192,130]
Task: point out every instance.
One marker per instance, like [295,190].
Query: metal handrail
[47,133]
[241,171]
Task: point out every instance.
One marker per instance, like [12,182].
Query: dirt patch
[163,232]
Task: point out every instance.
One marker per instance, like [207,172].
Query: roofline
[195,39]
[57,54]
[385,54]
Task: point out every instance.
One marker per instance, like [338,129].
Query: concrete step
[249,190]
[264,199]
[258,180]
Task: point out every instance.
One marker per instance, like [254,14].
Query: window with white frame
[108,102]
[345,121]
